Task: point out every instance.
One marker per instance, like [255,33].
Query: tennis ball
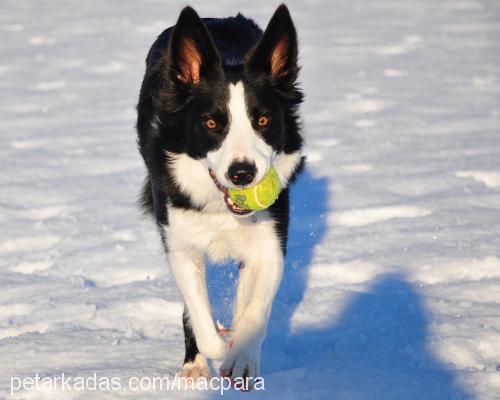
[260,196]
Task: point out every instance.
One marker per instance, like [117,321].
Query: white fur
[194,180]
[242,142]
[189,273]
[285,165]
[198,368]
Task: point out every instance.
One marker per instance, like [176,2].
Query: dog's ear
[276,52]
[191,53]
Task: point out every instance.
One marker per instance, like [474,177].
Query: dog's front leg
[189,273]
[260,276]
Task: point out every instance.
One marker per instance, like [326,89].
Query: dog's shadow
[377,349]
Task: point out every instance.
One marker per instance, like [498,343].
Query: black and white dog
[218,106]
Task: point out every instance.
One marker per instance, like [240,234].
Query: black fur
[170,109]
[189,339]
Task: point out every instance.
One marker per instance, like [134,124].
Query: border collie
[218,106]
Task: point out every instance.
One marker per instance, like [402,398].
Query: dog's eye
[263,121]
[210,123]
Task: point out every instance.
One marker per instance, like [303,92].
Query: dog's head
[235,118]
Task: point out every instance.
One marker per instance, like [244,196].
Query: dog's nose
[242,173]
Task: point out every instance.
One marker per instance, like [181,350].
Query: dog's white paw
[198,368]
[241,363]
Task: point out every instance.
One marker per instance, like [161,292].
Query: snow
[368,216]
[392,284]
[490,178]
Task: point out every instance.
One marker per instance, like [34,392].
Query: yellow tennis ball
[260,196]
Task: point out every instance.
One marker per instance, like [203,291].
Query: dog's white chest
[219,235]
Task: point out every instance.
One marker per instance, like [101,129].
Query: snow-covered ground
[392,286]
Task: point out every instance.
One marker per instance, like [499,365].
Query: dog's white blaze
[242,142]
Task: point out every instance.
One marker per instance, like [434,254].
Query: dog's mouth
[234,208]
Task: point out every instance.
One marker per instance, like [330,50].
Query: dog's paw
[198,368]
[213,347]
[242,366]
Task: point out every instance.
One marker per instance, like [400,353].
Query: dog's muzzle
[235,209]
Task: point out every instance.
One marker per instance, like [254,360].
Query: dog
[217,108]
